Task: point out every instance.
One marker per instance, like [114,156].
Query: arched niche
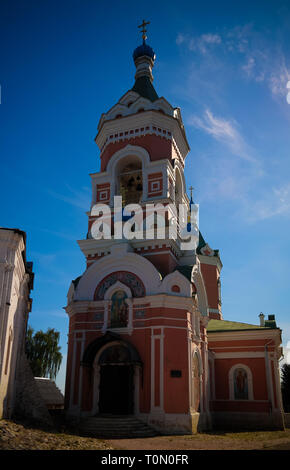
[118,314]
[241,382]
[129,162]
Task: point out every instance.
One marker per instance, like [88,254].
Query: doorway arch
[116,368]
[116,387]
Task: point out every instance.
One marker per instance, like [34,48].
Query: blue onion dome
[142,50]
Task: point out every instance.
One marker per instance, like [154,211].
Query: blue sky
[226,64]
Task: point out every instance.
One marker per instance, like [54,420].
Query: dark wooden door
[116,389]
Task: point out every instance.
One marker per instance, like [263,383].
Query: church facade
[146,331]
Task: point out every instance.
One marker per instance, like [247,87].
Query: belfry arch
[129,180]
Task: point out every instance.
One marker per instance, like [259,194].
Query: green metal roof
[144,87]
[201,243]
[186,270]
[225,325]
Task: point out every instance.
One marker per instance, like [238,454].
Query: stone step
[115,427]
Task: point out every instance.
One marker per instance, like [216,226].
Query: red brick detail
[176,397]
[155,184]
[158,148]
[210,276]
[165,263]
[257,367]
[154,176]
[103,192]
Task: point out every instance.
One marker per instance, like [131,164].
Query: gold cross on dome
[144,30]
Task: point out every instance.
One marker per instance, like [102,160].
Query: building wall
[255,352]
[164,343]
[18,392]
[14,296]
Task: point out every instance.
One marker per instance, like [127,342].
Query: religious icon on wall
[119,310]
[240,384]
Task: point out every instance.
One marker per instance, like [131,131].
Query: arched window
[130,181]
[240,382]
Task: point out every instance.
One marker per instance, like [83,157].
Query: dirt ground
[274,440]
[15,436]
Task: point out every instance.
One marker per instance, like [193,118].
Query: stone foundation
[247,421]
[171,423]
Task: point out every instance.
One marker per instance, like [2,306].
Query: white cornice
[155,301]
[232,354]
[143,120]
[245,335]
[93,247]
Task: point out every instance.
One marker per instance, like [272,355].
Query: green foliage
[43,352]
[285,386]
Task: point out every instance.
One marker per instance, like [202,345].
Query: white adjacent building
[16,282]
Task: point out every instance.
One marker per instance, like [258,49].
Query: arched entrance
[116,389]
[116,375]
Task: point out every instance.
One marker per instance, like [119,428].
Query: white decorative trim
[245,334]
[131,262]
[176,278]
[136,121]
[228,355]
[168,301]
[196,352]
[197,278]
[114,288]
[157,409]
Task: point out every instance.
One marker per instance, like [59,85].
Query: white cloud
[77,198]
[261,59]
[224,131]
[211,38]
[51,313]
[275,203]
[180,38]
[249,66]
[200,43]
[278,79]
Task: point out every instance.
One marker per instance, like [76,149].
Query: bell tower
[143,147]
[138,314]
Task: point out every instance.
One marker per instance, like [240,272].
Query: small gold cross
[144,30]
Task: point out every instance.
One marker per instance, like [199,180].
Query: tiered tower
[138,314]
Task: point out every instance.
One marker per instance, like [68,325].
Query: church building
[146,332]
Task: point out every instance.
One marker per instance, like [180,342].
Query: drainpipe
[269,377]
